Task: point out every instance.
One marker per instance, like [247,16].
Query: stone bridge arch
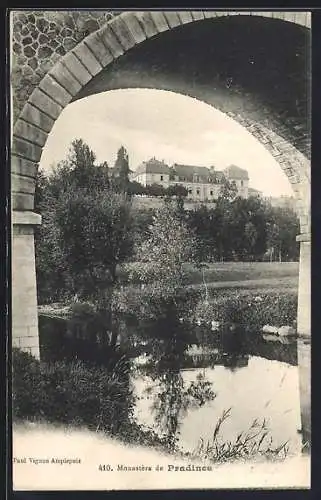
[57,77]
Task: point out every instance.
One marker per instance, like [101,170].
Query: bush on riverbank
[71,393]
[249,310]
[77,395]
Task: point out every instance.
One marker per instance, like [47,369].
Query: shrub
[71,393]
[250,310]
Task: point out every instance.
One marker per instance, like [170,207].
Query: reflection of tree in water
[174,397]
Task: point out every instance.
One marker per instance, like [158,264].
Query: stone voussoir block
[30,132]
[111,41]
[172,18]
[122,32]
[23,167]
[160,21]
[45,104]
[61,74]
[197,15]
[34,115]
[208,14]
[135,28]
[185,16]
[55,90]
[88,58]
[98,48]
[21,184]
[26,149]
[147,22]
[76,68]
[22,201]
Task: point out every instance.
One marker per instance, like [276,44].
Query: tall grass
[254,443]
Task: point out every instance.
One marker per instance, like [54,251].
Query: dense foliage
[71,393]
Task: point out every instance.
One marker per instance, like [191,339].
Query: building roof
[152,166]
[194,173]
[236,173]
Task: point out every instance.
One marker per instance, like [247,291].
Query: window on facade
[211,193]
[197,192]
[189,191]
[242,183]
[162,177]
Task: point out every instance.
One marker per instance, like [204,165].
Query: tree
[160,269]
[228,191]
[177,190]
[155,190]
[86,230]
[121,170]
[162,308]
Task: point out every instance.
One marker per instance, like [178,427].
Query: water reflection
[255,377]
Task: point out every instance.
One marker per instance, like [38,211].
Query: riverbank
[40,441]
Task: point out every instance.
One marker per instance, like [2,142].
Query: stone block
[135,28]
[15,341]
[185,16]
[19,231]
[111,41]
[65,78]
[160,21]
[34,115]
[172,18]
[23,167]
[148,23]
[197,15]
[26,149]
[22,184]
[33,134]
[76,68]
[45,104]
[34,351]
[22,201]
[55,90]
[210,13]
[122,32]
[88,58]
[31,342]
[96,45]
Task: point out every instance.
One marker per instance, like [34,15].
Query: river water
[253,387]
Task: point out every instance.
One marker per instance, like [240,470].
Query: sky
[168,126]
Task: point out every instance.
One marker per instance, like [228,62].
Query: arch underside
[219,58]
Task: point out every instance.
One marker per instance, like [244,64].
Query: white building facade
[202,183]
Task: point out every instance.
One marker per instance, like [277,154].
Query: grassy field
[241,275]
